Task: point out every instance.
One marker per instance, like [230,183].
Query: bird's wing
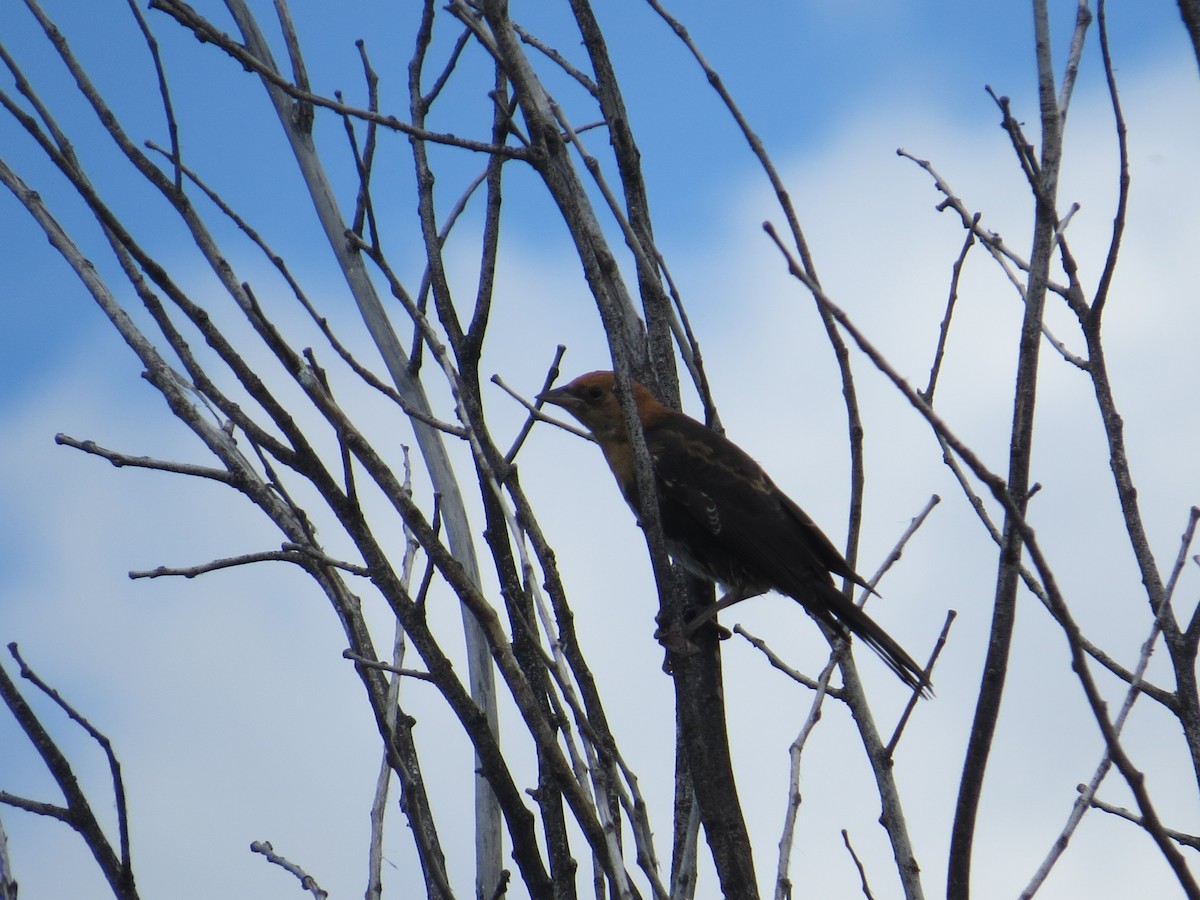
[728,497]
[823,548]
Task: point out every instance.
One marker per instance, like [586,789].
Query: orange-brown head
[592,399]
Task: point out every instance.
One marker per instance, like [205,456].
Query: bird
[723,518]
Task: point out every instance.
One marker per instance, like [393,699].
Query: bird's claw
[708,617]
[675,638]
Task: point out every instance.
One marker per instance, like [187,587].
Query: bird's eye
[594,394]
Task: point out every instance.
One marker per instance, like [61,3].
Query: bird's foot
[675,638]
[707,618]
[723,633]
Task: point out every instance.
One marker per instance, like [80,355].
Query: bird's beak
[557,397]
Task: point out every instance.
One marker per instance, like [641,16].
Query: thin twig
[210,34]
[890,749]
[307,882]
[1087,792]
[418,674]
[114,765]
[995,244]
[536,413]
[291,552]
[1187,840]
[813,684]
[551,376]
[1118,229]
[783,883]
[944,329]
[78,813]
[163,90]
[120,460]
[862,873]
[1001,253]
[558,59]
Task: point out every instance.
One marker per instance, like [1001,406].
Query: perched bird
[722,516]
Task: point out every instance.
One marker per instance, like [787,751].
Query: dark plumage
[722,516]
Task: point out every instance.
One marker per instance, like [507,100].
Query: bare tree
[269,382]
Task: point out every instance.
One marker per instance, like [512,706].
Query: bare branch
[36,807]
[558,59]
[862,873]
[164,91]
[117,869]
[916,695]
[944,330]
[1083,18]
[8,886]
[536,415]
[783,882]
[534,409]
[999,488]
[1006,258]
[239,52]
[1114,246]
[120,460]
[1187,840]
[307,882]
[291,552]
[813,684]
[1087,793]
[386,667]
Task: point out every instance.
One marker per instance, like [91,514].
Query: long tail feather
[843,615]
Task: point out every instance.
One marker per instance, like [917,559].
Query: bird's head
[592,399]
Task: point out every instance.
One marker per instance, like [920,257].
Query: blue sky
[227,696]
[801,72]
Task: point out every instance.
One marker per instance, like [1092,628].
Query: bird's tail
[846,616]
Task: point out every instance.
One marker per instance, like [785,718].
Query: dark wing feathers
[826,553]
[747,518]
[728,493]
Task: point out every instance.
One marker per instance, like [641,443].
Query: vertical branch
[428,439]
[8,886]
[488,847]
[806,270]
[697,677]
[655,302]
[550,156]
[1092,322]
[1083,18]
[995,671]
[1181,648]
[164,92]
[392,715]
[944,330]
[1190,10]
[995,666]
